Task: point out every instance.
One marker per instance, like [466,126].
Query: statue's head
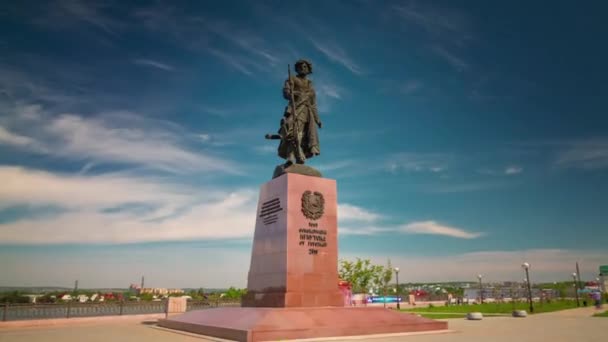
[303,67]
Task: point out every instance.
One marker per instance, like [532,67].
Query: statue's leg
[290,159]
[291,154]
[300,156]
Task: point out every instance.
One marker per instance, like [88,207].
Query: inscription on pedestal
[313,238]
[269,211]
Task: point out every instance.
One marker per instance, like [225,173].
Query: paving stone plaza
[568,325]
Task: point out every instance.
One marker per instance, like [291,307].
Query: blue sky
[465,138]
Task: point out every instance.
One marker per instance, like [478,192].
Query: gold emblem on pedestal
[313,205]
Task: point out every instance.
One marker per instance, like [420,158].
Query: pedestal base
[272,324]
[293,299]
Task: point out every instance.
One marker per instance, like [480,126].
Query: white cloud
[10,138]
[35,187]
[434,228]
[97,209]
[354,220]
[154,64]
[348,212]
[513,170]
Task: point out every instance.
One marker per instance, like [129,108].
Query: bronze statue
[298,131]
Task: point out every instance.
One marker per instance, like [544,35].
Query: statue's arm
[299,96]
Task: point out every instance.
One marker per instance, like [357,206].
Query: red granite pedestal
[292,287]
[294,261]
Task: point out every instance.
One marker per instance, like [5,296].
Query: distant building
[160,291]
[32,297]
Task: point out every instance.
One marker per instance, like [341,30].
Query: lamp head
[525,265]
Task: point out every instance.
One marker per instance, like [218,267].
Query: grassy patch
[497,308]
[446,315]
[601,314]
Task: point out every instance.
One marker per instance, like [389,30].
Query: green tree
[146,297]
[234,293]
[13,297]
[386,275]
[362,274]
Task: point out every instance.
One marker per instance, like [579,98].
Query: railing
[18,312]
[200,305]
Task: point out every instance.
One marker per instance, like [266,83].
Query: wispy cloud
[61,13]
[434,228]
[445,28]
[336,165]
[154,64]
[355,220]
[218,111]
[454,187]
[337,54]
[329,90]
[439,22]
[119,137]
[235,61]
[586,154]
[513,170]
[456,62]
[418,162]
[363,230]
[244,39]
[411,87]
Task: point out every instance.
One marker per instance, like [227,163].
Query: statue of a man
[298,131]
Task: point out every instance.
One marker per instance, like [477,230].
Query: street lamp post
[397,276]
[526,267]
[480,289]
[575,289]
